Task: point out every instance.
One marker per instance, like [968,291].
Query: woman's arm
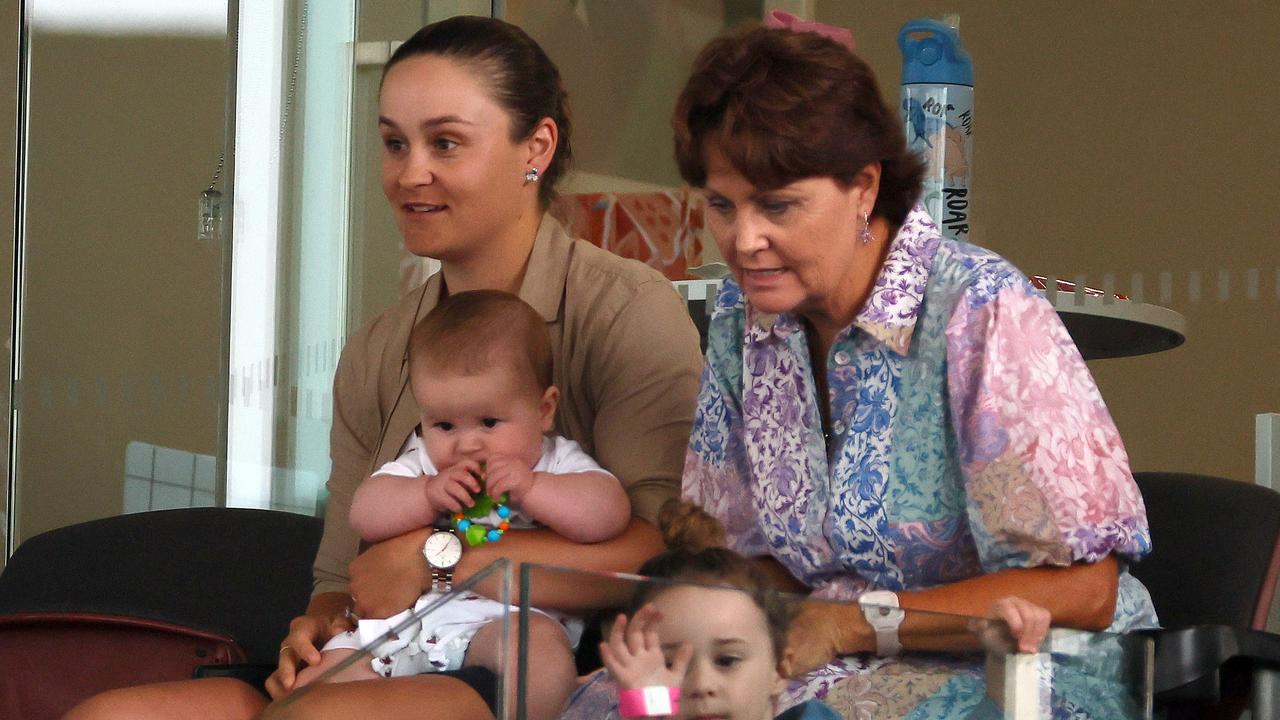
[644,369]
[1081,596]
[389,576]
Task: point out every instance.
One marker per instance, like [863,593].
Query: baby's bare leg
[552,675]
[359,670]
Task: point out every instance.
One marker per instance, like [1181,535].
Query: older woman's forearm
[1081,596]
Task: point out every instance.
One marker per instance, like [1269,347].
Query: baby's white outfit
[439,641]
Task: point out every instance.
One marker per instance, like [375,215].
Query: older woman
[883,409]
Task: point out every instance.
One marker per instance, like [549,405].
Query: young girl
[719,646]
[714,647]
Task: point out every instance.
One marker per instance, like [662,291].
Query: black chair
[146,597]
[1212,576]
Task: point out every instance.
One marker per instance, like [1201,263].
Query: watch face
[443,550]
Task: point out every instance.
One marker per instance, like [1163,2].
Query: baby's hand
[508,475]
[634,656]
[454,487]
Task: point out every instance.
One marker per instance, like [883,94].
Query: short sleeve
[566,457]
[412,461]
[716,470]
[1046,475]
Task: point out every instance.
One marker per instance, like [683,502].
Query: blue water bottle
[937,109]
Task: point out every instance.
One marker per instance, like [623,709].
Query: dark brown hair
[686,529]
[470,332]
[520,76]
[785,105]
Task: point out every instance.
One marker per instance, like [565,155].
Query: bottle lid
[931,54]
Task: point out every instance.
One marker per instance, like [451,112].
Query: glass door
[119,325]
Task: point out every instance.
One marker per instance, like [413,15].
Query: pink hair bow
[785,20]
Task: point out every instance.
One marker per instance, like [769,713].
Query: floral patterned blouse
[967,435]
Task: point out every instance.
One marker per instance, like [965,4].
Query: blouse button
[842,358]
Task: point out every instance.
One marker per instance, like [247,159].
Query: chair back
[1215,549]
[238,573]
[49,662]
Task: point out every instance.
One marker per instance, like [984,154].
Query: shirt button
[842,358]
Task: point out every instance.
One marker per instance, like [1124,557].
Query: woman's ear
[542,143]
[547,408]
[866,187]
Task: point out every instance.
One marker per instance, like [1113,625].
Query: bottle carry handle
[940,35]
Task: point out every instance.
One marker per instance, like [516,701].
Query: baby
[714,648]
[479,464]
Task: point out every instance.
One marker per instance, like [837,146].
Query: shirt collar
[893,305]
[544,276]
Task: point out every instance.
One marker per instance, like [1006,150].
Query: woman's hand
[634,656]
[389,576]
[1025,626]
[820,632]
[326,617]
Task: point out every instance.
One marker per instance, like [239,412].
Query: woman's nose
[416,169]
[749,234]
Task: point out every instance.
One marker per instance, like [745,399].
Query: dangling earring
[532,175]
[865,233]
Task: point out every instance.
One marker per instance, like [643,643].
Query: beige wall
[122,318]
[1123,138]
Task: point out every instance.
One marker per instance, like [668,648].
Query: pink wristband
[652,701]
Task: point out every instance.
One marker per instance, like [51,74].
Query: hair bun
[687,527]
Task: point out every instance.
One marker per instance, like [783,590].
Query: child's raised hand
[634,656]
[454,487]
[508,475]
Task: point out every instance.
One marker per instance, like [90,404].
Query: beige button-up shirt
[626,362]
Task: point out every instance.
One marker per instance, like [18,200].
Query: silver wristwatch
[880,608]
[442,550]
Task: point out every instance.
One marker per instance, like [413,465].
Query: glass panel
[287,320]
[623,65]
[1074,674]
[622,91]
[380,269]
[438,632]
[120,322]
[9,20]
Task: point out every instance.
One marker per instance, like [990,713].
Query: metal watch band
[441,579]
